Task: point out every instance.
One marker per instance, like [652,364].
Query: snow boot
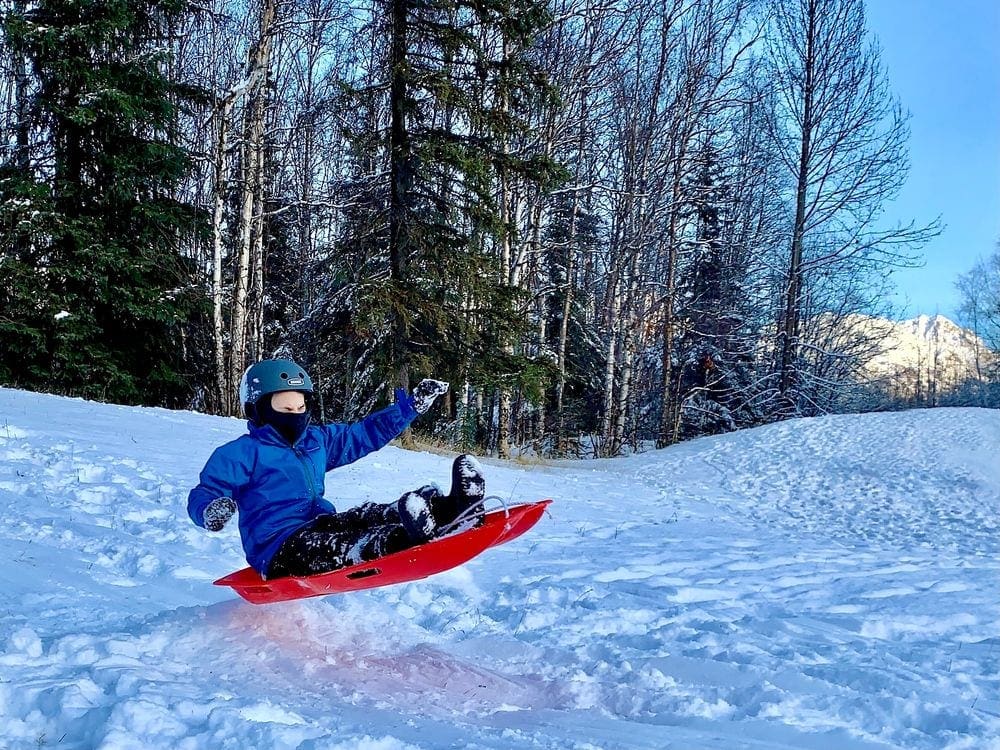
[416,513]
[467,480]
[468,489]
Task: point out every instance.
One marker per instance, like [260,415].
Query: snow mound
[826,583]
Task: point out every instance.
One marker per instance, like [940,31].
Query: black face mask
[290,426]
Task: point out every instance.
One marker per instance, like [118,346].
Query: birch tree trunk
[510,269]
[610,366]
[567,309]
[255,298]
[249,266]
[224,394]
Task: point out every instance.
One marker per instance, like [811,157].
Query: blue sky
[943,61]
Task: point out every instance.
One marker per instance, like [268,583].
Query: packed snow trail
[827,583]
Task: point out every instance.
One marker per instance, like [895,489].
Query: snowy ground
[821,584]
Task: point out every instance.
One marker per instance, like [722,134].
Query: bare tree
[980,311]
[980,293]
[842,137]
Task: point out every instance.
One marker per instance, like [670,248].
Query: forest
[610,224]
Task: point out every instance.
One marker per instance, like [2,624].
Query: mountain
[923,357]
[820,584]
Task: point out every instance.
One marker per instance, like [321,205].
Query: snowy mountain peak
[933,326]
[929,351]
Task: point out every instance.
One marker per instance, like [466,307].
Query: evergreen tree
[417,271]
[456,85]
[714,361]
[94,291]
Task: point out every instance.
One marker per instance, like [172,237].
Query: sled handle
[506,508]
[469,513]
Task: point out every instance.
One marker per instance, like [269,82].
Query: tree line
[608,224]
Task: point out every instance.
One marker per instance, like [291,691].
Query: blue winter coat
[279,487]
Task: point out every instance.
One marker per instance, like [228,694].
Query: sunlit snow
[830,583]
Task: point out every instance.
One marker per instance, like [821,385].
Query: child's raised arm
[346,443]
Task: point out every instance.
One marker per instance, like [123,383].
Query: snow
[819,584]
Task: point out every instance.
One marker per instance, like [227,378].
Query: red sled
[436,556]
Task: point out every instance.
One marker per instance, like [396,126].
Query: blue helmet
[271,376]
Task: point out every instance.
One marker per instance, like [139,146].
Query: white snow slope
[823,584]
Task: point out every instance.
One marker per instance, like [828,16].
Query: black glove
[218,512]
[425,393]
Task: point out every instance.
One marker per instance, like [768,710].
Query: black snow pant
[336,540]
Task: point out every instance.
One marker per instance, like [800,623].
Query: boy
[274,476]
